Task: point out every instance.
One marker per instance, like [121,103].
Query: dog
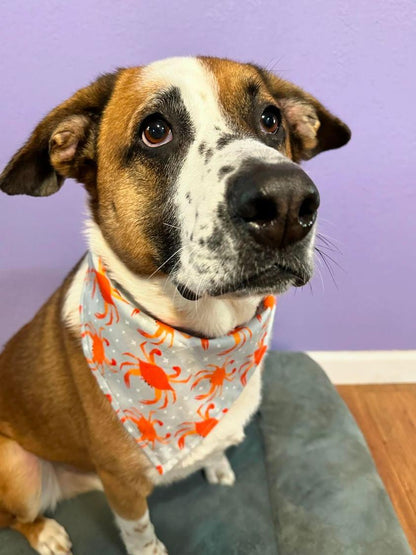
[198,211]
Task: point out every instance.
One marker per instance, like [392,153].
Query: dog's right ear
[62,145]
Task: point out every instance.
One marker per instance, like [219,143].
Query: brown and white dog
[198,209]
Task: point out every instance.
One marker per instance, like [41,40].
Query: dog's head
[191,169]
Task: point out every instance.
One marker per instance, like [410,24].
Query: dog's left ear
[62,145]
[313,129]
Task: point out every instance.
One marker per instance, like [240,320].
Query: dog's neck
[208,317]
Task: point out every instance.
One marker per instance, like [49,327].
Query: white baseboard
[360,367]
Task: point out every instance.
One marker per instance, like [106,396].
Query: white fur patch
[202,266]
[63,482]
[139,536]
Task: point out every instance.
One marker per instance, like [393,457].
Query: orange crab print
[99,359]
[146,427]
[201,428]
[240,336]
[216,378]
[163,332]
[204,343]
[243,333]
[108,292]
[153,375]
[254,359]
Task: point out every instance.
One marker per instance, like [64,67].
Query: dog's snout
[276,203]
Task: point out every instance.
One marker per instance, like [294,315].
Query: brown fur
[62,416]
[20,485]
[123,207]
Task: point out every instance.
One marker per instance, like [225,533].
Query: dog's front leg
[128,500]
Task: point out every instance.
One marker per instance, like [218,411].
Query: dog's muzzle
[269,211]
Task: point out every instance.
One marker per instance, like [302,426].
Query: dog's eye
[156,131]
[270,120]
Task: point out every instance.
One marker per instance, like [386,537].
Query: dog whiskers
[318,267]
[327,261]
[327,243]
[165,262]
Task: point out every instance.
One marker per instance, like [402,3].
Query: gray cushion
[326,495]
[306,485]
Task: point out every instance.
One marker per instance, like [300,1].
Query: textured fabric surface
[306,485]
[327,498]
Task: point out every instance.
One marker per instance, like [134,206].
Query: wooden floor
[387,416]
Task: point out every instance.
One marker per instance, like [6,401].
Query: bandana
[169,389]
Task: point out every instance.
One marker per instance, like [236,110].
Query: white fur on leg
[139,536]
[218,471]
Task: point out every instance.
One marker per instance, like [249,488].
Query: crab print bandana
[169,389]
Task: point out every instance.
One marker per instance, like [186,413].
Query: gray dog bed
[306,485]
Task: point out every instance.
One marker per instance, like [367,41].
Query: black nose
[276,203]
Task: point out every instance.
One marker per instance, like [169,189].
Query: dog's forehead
[207,86]
[186,73]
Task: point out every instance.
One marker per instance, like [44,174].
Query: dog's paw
[219,471]
[155,548]
[53,539]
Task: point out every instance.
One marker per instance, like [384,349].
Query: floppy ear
[313,128]
[62,145]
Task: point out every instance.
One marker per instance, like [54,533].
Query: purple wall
[357,57]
